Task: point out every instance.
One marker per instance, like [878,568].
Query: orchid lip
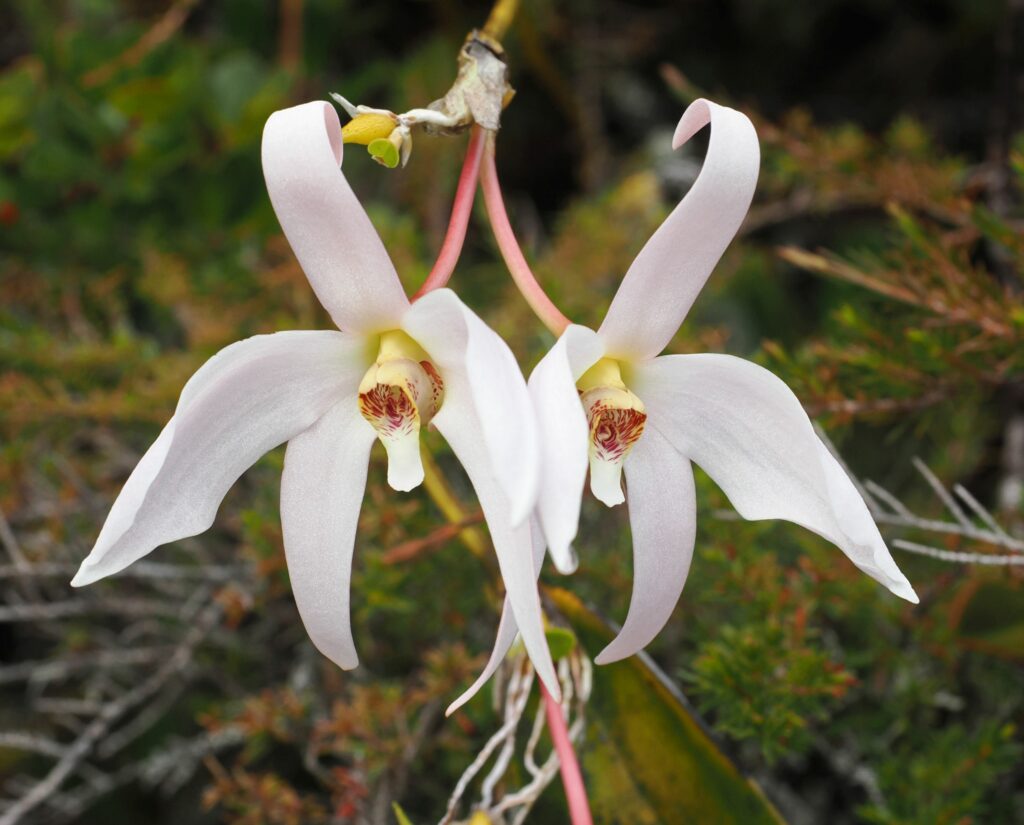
[616,418]
[400,393]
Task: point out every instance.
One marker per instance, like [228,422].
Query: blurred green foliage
[880,273]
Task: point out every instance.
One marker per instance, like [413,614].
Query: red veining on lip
[614,431]
[436,387]
[398,407]
[390,409]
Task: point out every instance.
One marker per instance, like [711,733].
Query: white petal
[330,233]
[512,545]
[745,427]
[663,518]
[321,493]
[487,419]
[507,629]
[247,399]
[664,280]
[564,438]
[466,350]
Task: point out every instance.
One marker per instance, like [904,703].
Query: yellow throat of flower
[616,417]
[399,394]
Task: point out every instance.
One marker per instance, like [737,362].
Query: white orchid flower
[607,400]
[394,368]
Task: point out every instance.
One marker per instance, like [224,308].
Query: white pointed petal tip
[86,575]
[346,660]
[904,589]
[609,655]
[458,703]
[887,572]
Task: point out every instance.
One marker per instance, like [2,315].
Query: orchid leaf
[647,756]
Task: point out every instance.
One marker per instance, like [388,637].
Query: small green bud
[384,152]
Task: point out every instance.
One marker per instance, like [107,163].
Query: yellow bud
[366,128]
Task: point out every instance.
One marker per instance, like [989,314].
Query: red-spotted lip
[399,395]
[390,409]
[613,432]
[436,388]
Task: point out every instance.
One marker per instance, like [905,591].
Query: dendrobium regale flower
[392,369]
[607,400]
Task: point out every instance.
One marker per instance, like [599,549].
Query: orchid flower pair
[602,400]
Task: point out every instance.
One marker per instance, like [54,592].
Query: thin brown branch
[289,40]
[408,550]
[49,670]
[51,611]
[95,731]
[876,406]
[161,31]
[502,14]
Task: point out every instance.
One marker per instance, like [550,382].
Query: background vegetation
[879,272]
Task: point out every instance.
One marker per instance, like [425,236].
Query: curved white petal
[247,399]
[330,233]
[507,629]
[487,419]
[663,518]
[664,280]
[746,428]
[321,493]
[466,350]
[564,437]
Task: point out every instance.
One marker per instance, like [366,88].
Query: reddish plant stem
[572,779]
[462,206]
[524,278]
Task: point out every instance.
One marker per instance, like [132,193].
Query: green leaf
[384,152]
[400,814]
[647,757]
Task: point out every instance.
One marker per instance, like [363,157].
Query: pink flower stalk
[392,369]
[462,207]
[572,778]
[518,268]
